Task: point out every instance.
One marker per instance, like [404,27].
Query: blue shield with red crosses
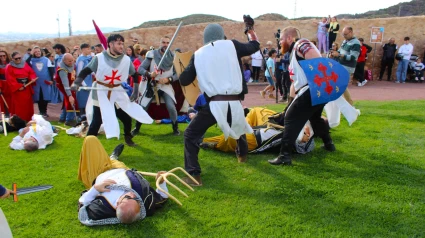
[326,78]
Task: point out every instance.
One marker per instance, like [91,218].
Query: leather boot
[191,182]
[328,144]
[176,131]
[282,159]
[129,140]
[136,130]
[117,152]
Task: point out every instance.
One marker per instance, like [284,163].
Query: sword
[20,191]
[99,89]
[155,89]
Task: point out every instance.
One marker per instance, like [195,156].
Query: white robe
[219,73]
[41,131]
[118,97]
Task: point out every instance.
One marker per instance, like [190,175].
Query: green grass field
[372,186]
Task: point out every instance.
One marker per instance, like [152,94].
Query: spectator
[129,51]
[361,61]
[98,48]
[27,55]
[270,72]
[246,73]
[321,35]
[335,47]
[266,55]
[256,62]
[286,81]
[4,89]
[418,67]
[279,76]
[388,58]
[333,28]
[347,55]
[405,52]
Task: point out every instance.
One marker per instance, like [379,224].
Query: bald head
[31,145]
[348,32]
[128,212]
[68,59]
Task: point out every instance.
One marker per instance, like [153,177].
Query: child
[418,66]
[270,72]
[247,73]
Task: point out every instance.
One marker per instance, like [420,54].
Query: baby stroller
[410,75]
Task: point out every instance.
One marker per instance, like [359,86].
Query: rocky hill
[187,20]
[271,17]
[412,8]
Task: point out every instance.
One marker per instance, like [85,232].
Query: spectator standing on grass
[405,52]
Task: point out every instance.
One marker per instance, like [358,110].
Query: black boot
[328,144]
[284,159]
[117,151]
[176,131]
[136,130]
[129,140]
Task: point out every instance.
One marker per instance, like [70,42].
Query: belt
[109,86]
[225,98]
[22,80]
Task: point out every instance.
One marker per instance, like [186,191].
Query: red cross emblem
[113,77]
[325,79]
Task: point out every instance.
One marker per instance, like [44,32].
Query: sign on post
[377,35]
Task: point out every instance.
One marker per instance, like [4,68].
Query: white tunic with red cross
[108,99]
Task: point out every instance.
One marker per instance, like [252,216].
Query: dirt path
[374,90]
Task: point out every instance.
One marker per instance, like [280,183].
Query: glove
[135,93]
[249,23]
[74,87]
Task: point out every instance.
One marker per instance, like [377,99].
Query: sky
[40,16]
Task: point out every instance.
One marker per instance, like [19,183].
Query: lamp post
[59,31]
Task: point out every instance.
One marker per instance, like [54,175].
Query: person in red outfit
[19,74]
[4,61]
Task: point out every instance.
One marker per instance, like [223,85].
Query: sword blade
[34,189]
[169,45]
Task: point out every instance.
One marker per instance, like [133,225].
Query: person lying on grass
[4,192]
[14,123]
[118,194]
[36,135]
[267,134]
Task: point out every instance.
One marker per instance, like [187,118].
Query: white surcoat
[118,96]
[219,73]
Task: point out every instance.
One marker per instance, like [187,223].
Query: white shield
[39,66]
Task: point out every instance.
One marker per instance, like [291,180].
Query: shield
[326,78]
[191,91]
[4,226]
[39,66]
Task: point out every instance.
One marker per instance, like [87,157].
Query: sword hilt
[15,192]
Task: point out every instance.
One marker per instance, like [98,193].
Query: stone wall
[190,36]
